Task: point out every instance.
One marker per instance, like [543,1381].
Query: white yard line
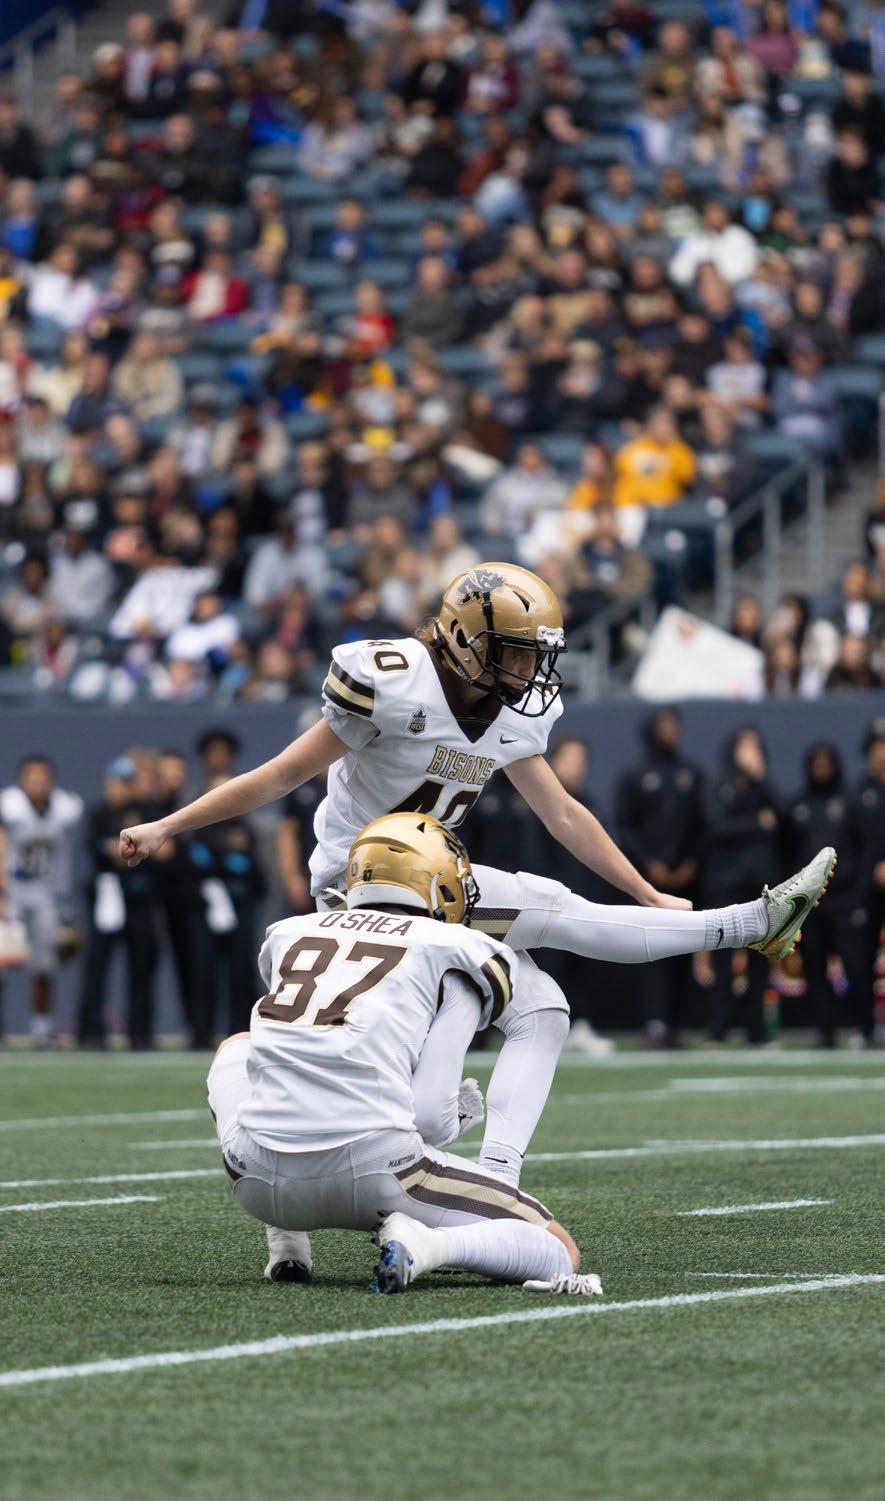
[282,1343]
[679,1089]
[80,1203]
[179,1143]
[751,1208]
[36,1123]
[678,1148]
[190,1172]
[764,1276]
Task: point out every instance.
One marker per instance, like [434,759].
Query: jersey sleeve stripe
[345,698]
[347,680]
[497,972]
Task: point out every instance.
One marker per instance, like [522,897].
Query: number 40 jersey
[409,750]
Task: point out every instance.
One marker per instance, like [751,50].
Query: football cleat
[290,1259]
[288,1271]
[584,1040]
[789,904]
[579,1284]
[408,1248]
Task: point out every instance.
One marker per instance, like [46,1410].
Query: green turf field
[729,1391]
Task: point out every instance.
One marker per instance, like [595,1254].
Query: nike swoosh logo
[720,938]
[508,739]
[799,905]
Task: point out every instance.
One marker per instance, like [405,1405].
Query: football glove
[471,1106]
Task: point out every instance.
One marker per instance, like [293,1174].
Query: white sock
[519,1086]
[735,927]
[288,1245]
[636,935]
[41,1025]
[509,1249]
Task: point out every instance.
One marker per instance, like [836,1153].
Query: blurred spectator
[853,669]
[737,381]
[521,493]
[80,578]
[825,813]
[611,571]
[121,911]
[870,799]
[278,563]
[57,291]
[661,820]
[433,314]
[654,469]
[805,403]
[214,291]
[29,604]
[852,179]
[250,439]
[719,242]
[334,147]
[743,848]
[148,381]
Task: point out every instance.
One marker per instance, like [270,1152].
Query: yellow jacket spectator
[655,469]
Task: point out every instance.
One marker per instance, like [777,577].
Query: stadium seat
[388,271]
[604,150]
[44,339]
[319,276]
[298,189]
[463,361]
[871,349]
[277,160]
[198,368]
[229,335]
[301,426]
[774,450]
[564,450]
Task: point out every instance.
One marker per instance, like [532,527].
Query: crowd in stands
[303,312]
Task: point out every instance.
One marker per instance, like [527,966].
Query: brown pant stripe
[463,1203]
[416,1175]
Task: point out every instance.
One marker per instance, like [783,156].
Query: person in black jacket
[743,847]
[231,883]
[177,893]
[122,910]
[871,801]
[661,819]
[824,813]
[578,976]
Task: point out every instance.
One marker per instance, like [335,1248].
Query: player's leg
[532,912]
[40,915]
[442,1210]
[535,1026]
[289,1255]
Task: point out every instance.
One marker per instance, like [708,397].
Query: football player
[420,725]
[37,820]
[315,1107]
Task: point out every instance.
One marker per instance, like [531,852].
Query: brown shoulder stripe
[354,697]
[497,973]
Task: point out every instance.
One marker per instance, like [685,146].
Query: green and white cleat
[789,904]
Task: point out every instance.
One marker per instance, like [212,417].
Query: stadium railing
[17,55]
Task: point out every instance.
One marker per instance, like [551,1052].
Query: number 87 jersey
[411,748]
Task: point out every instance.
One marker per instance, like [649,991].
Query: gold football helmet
[411,860]
[492,607]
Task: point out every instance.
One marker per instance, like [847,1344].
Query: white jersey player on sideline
[420,725]
[37,820]
[315,1106]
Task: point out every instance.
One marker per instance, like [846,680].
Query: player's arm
[437,1077]
[308,756]
[581,833]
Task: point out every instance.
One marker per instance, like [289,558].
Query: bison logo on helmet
[481,581]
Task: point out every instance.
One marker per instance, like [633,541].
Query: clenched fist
[141,841]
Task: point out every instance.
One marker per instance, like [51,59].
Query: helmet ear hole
[461,638]
[447,893]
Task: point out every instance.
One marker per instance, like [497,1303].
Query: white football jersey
[408,753]
[38,845]
[351,998]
